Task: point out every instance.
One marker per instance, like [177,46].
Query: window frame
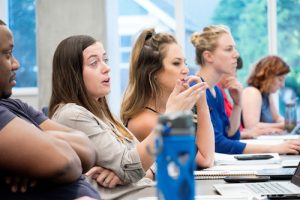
[112,43]
[112,46]
[272,37]
[21,91]
[180,34]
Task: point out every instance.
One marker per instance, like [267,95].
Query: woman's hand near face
[192,80]
[235,89]
[184,97]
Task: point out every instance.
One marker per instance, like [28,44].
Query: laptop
[277,173]
[294,134]
[278,189]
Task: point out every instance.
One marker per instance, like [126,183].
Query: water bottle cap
[290,104]
[179,123]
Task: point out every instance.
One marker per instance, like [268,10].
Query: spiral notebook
[213,175]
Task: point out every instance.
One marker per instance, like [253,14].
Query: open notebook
[275,174]
[217,174]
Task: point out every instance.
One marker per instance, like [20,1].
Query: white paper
[277,137]
[225,159]
[245,167]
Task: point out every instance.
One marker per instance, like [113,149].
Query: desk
[203,187]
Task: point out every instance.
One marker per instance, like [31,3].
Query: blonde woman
[216,55]
[153,75]
[80,84]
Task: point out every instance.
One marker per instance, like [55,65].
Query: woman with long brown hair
[157,62]
[80,84]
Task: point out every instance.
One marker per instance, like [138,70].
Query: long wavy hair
[265,70]
[68,85]
[146,61]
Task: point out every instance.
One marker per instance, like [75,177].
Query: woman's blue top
[220,121]
[266,114]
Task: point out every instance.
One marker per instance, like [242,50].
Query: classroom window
[288,35]
[246,19]
[21,20]
[135,16]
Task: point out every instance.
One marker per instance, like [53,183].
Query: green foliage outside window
[248,23]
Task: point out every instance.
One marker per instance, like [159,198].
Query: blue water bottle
[175,157]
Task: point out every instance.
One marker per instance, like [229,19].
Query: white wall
[28,95]
[3,9]
[57,20]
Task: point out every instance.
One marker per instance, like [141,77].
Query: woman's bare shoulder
[142,124]
[251,92]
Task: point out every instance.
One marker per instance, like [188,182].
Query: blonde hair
[265,70]
[207,40]
[146,61]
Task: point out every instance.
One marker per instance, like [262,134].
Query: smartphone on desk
[246,179]
[253,157]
